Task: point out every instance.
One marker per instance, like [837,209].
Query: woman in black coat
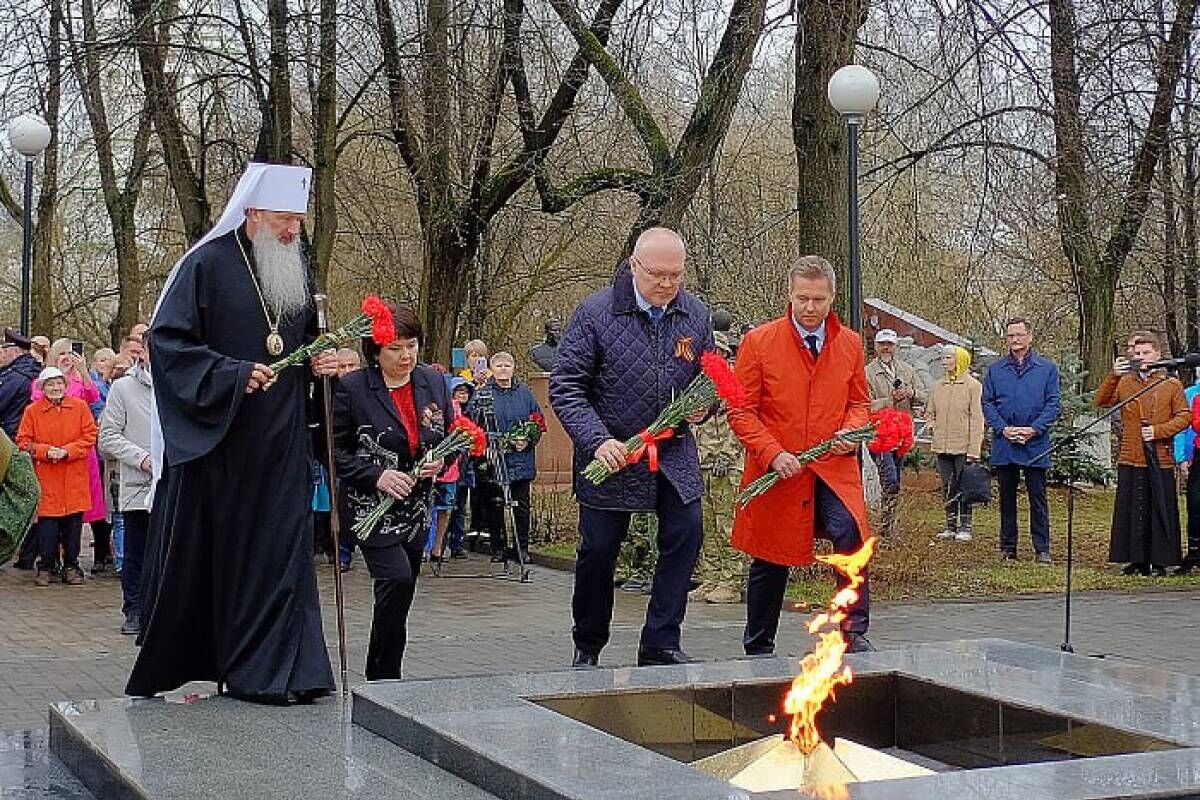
[385,417]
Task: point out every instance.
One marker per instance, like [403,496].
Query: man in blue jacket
[628,350]
[1020,402]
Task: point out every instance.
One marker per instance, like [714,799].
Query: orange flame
[822,671]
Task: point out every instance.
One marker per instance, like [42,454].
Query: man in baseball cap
[893,383]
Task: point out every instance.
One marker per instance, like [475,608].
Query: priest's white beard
[281,273]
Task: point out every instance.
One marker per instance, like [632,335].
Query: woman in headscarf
[386,416]
[955,416]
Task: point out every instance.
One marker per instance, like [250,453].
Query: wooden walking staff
[335,525]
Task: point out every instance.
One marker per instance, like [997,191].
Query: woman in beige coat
[955,415]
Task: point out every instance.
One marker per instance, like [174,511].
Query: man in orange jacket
[805,383]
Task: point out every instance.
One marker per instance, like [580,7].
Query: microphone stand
[320,300]
[1071,438]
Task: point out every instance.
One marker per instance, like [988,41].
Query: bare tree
[120,197]
[1097,256]
[152,32]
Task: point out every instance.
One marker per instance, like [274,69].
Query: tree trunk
[277,124]
[325,146]
[448,258]
[42,319]
[121,205]
[1170,292]
[824,43]
[152,38]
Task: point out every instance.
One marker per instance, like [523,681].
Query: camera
[1135,364]
[77,348]
[897,384]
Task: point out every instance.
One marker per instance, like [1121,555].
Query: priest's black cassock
[229,589]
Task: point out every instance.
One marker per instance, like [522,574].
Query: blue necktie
[811,340]
[656,315]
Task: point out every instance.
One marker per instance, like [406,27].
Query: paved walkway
[63,642]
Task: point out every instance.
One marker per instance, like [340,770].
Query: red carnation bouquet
[375,320]
[530,430]
[888,430]
[716,381]
[464,436]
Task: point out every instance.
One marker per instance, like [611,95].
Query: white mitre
[268,187]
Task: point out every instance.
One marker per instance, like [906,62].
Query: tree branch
[653,139]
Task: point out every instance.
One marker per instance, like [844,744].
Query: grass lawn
[920,566]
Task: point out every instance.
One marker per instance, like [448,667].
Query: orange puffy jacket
[66,487]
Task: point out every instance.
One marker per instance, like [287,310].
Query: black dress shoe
[1158,572]
[1136,569]
[1184,569]
[585,660]
[653,657]
[858,643]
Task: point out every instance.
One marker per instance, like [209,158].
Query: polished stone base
[1000,720]
[996,720]
[215,747]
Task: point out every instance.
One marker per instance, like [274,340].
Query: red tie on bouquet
[649,448]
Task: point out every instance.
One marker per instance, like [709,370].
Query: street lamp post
[29,136]
[853,92]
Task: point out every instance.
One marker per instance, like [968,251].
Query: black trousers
[389,620]
[53,531]
[137,528]
[101,541]
[767,582]
[1193,515]
[495,522]
[680,529]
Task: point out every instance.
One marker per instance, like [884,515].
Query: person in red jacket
[805,383]
[1191,560]
[59,432]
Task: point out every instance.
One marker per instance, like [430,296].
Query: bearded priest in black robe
[230,590]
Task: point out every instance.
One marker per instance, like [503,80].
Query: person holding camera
[502,404]
[955,417]
[893,383]
[1145,523]
[1021,400]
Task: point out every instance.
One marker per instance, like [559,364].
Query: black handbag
[975,485]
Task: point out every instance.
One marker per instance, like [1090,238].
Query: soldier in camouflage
[721,569]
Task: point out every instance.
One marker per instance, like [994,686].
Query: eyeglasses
[663,278]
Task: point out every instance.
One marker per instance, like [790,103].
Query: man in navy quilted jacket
[628,350]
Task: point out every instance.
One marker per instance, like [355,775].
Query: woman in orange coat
[59,432]
[805,382]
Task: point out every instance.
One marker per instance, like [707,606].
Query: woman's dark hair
[407,326]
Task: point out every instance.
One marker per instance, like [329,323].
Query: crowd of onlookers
[1019,400]
[86,427]
[471,496]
